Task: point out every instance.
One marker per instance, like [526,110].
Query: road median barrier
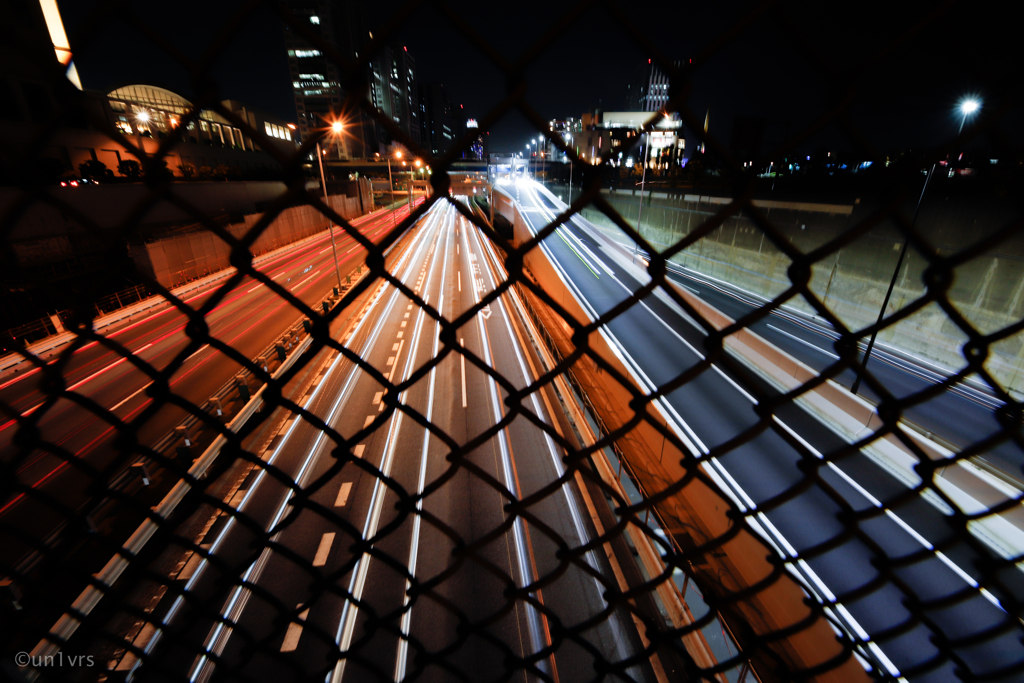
[758,592]
[238,399]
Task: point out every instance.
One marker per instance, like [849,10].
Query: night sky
[788,62]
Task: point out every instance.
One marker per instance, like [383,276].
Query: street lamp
[570,169]
[394,218]
[418,164]
[967,107]
[540,153]
[334,130]
[643,177]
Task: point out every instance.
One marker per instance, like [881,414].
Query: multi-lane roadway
[904,581]
[106,391]
[425,474]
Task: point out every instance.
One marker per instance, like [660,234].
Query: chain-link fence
[606,426]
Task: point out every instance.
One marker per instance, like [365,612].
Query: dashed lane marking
[343,492]
[324,549]
[291,637]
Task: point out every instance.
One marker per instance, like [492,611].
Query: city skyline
[787,85]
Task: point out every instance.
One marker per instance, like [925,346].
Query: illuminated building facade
[394,92]
[316,80]
[616,131]
[648,90]
[438,125]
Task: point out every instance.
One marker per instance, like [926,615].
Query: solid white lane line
[403,642]
[324,549]
[102,370]
[553,450]
[343,492]
[197,352]
[291,637]
[713,467]
[804,342]
[133,395]
[518,531]
[462,342]
[347,623]
[217,640]
[304,281]
[393,361]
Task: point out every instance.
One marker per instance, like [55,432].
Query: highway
[424,474]
[810,340]
[890,560]
[79,429]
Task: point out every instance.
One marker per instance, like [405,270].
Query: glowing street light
[967,106]
[391,182]
[334,131]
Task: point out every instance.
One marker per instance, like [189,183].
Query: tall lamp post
[967,107]
[418,165]
[335,131]
[540,156]
[394,219]
[570,170]
[640,211]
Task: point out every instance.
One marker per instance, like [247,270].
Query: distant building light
[314,20]
[471,123]
[307,53]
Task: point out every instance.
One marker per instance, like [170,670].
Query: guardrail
[284,351]
[757,595]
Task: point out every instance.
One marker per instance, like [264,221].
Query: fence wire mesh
[711,508]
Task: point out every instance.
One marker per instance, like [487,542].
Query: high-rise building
[649,89]
[316,80]
[393,92]
[438,126]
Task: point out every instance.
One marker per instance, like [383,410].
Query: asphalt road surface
[436,593]
[891,554]
[78,429]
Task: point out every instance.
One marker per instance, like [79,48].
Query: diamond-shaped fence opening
[577,429]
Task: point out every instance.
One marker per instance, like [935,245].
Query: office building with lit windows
[394,93]
[316,80]
[438,125]
[38,81]
[648,90]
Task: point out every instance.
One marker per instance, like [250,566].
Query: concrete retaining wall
[727,558]
[851,281]
[180,258]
